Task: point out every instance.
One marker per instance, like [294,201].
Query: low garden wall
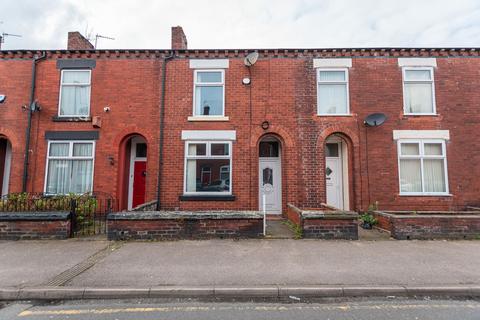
[423,225]
[324,223]
[34,225]
[174,225]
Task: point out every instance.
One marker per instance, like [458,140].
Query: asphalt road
[355,310]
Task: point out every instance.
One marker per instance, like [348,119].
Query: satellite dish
[250,59]
[375,119]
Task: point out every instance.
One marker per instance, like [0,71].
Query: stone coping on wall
[324,213]
[429,214]
[34,216]
[191,215]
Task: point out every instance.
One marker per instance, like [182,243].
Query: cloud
[246,23]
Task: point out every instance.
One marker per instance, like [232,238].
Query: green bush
[367,218]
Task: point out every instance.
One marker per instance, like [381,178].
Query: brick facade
[283,92]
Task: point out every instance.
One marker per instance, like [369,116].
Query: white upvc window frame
[69,157]
[89,84]
[431,81]
[346,82]
[208,84]
[422,157]
[207,156]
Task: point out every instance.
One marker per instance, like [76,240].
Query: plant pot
[366,225]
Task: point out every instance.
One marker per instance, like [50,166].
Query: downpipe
[35,60]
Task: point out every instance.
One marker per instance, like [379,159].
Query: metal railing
[88,212]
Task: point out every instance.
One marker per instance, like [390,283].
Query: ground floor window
[208,167]
[422,167]
[69,167]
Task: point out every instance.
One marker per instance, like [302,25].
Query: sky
[227,24]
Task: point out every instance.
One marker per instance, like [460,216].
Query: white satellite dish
[250,59]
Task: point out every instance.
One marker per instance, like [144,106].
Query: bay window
[422,167]
[75,93]
[69,167]
[208,167]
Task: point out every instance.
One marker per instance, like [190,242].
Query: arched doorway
[336,172]
[5,164]
[270,175]
[133,173]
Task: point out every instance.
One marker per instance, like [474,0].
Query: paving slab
[31,263]
[286,262]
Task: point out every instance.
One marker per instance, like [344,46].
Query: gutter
[162,126]
[29,122]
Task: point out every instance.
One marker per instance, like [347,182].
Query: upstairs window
[422,167]
[75,93]
[209,93]
[418,91]
[332,92]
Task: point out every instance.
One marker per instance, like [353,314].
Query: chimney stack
[179,40]
[76,41]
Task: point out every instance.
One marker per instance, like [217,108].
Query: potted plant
[368,221]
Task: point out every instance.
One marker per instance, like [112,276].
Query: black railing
[88,211]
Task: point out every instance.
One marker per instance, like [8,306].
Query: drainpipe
[162,126]
[29,123]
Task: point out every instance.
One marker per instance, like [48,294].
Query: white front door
[334,182]
[270,184]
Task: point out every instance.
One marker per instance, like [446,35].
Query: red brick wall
[455,226]
[283,93]
[174,229]
[15,78]
[29,230]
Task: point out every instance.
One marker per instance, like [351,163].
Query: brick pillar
[179,40]
[78,42]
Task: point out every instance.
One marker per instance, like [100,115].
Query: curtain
[332,98]
[59,149]
[191,175]
[81,178]
[59,178]
[410,175]
[82,149]
[75,98]
[418,97]
[433,173]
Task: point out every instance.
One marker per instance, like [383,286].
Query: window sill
[420,115]
[208,118]
[334,115]
[71,119]
[207,198]
[426,195]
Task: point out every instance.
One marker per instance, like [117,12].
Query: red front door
[139,179]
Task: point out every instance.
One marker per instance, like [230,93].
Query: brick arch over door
[123,141]
[356,187]
[289,164]
[16,160]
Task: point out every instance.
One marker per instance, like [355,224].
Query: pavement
[86,269]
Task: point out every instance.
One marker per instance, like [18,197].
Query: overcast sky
[145,24]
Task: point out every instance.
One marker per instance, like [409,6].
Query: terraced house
[209,130]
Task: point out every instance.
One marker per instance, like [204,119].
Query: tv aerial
[99,36]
